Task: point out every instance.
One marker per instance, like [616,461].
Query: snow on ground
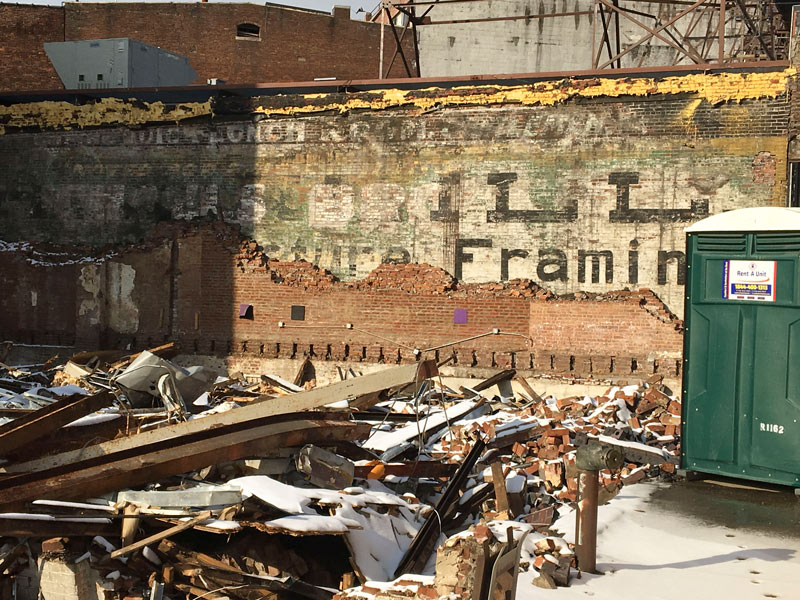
[647,552]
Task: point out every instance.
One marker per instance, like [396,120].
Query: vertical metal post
[416,43]
[616,34]
[384,14]
[721,41]
[594,37]
[586,523]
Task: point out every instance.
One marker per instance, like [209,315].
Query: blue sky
[325,5]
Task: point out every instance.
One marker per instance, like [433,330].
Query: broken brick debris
[129,474]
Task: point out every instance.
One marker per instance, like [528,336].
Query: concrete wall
[294,45]
[580,185]
[550,44]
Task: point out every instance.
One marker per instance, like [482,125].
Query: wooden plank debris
[203,516]
[154,461]
[350,388]
[40,423]
[283,432]
[500,493]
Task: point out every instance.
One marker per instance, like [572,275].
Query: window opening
[248,30]
[794,184]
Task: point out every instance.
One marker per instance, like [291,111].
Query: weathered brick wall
[576,184]
[23,31]
[294,45]
[188,286]
[38,303]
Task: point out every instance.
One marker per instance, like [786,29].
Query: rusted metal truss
[626,32]
[697,32]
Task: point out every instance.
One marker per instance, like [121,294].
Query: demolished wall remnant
[189,283]
[578,184]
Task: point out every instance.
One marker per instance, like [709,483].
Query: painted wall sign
[752,280]
[487,195]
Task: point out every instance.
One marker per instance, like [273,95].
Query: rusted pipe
[586,523]
[590,460]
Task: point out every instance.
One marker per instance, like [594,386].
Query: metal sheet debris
[267,490]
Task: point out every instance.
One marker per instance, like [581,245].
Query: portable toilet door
[741,378]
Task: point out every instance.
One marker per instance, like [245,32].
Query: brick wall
[591,193]
[189,287]
[294,44]
[620,333]
[38,305]
[581,186]
[23,31]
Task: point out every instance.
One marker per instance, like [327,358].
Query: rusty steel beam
[754,30]
[424,541]
[154,462]
[44,421]
[721,31]
[515,18]
[349,388]
[304,87]
[398,47]
[399,43]
[653,32]
[38,528]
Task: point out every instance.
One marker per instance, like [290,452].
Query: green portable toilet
[741,378]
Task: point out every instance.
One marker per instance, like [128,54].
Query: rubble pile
[416,278]
[516,288]
[250,257]
[301,273]
[131,477]
[421,278]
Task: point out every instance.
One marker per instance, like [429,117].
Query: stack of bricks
[516,288]
[250,257]
[462,563]
[301,274]
[61,577]
[553,565]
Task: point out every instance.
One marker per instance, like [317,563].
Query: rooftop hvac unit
[117,63]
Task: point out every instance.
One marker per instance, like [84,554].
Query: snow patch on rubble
[382,441]
[659,452]
[382,536]
[313,524]
[43,517]
[51,259]
[68,390]
[94,419]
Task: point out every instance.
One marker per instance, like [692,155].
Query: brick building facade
[239,43]
[582,185]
